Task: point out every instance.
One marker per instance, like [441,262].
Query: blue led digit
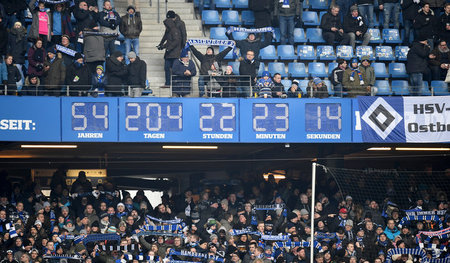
[87,116]
[217,117]
[153,116]
[270,117]
[323,117]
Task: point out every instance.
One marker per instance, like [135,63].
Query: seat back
[397,70]
[286,52]
[384,53]
[310,18]
[317,69]
[400,87]
[218,33]
[268,53]
[380,70]
[240,4]
[362,51]
[299,35]
[314,35]
[383,88]
[248,18]
[297,70]
[391,35]
[231,17]
[277,67]
[326,52]
[211,17]
[306,52]
[401,53]
[375,35]
[344,51]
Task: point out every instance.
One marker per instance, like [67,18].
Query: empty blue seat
[239,35]
[299,35]
[400,87]
[277,67]
[211,17]
[383,88]
[303,84]
[397,70]
[223,4]
[306,52]
[384,53]
[375,36]
[231,18]
[248,18]
[425,90]
[362,51]
[286,52]
[319,4]
[380,70]
[317,69]
[230,55]
[268,53]
[391,35]
[401,53]
[314,35]
[345,52]
[235,65]
[310,18]
[297,70]
[286,83]
[326,53]
[240,4]
[218,33]
[261,69]
[439,88]
[331,66]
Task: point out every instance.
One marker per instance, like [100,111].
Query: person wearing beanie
[316,88]
[131,28]
[78,77]
[353,80]
[332,27]
[337,76]
[356,27]
[116,71]
[228,83]
[183,70]
[137,74]
[54,72]
[99,82]
[265,85]
[295,91]
[416,63]
[17,45]
[109,21]
[369,73]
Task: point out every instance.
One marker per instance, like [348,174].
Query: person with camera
[36,58]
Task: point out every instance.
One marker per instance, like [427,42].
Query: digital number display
[154,117]
[217,117]
[90,116]
[270,117]
[323,117]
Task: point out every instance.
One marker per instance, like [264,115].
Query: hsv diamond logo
[382,118]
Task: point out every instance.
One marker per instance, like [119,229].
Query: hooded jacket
[77,74]
[410,9]
[207,60]
[425,24]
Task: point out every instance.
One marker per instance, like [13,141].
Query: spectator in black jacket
[86,17]
[183,71]
[137,74]
[131,28]
[116,72]
[391,9]
[109,21]
[14,76]
[332,27]
[249,67]
[17,45]
[444,24]
[417,59]
[410,9]
[206,61]
[356,28]
[439,65]
[14,11]
[263,12]
[425,24]
[278,89]
[337,76]
[78,77]
[252,43]
[294,91]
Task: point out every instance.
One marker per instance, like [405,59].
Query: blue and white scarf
[285,3]
[175,227]
[106,34]
[210,42]
[132,247]
[154,233]
[275,237]
[409,218]
[186,253]
[232,29]
[12,230]
[100,237]
[172,221]
[409,251]
[238,232]
[66,256]
[290,244]
[76,239]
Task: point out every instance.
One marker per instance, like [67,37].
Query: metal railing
[158,6]
[220,86]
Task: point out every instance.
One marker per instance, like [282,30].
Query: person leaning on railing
[183,70]
[54,72]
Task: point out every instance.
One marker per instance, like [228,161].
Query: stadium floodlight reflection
[422,149]
[190,147]
[48,146]
[379,149]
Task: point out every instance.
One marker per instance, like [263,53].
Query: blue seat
[326,53]
[306,4]
[362,51]
[392,36]
[317,69]
[206,3]
[235,65]
[306,52]
[380,70]
[286,52]
[303,84]
[383,88]
[375,36]
[345,52]
[397,70]
[248,18]
[277,35]
[223,4]
[299,35]
[319,4]
[331,66]
[400,87]
[384,53]
[310,18]
[230,55]
[211,17]
[314,35]
[239,35]
[439,88]
[261,69]
[218,33]
[277,67]
[425,90]
[240,4]
[401,53]
[268,53]
[321,13]
[297,70]
[286,83]
[231,18]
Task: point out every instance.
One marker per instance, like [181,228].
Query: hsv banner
[405,119]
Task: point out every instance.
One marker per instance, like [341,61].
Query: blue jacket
[391,234]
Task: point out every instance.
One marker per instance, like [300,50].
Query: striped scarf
[409,251]
[101,237]
[173,221]
[275,237]
[186,253]
[409,218]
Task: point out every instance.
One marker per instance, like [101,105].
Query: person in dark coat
[278,88]
[116,71]
[131,28]
[54,72]
[14,10]
[14,75]
[356,28]
[137,74]
[252,43]
[317,89]
[67,58]
[294,91]
[417,58]
[93,50]
[262,10]
[17,45]
[228,82]
[206,60]
[332,27]
[99,81]
[337,76]
[109,21]
[183,71]
[86,17]
[410,10]
[36,58]
[248,67]
[32,86]
[78,77]
[172,42]
[439,65]
[425,24]
[444,24]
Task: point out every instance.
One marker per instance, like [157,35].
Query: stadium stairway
[153,31]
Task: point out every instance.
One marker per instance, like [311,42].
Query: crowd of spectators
[248,222]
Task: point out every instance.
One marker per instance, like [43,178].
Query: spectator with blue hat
[317,88]
[353,80]
[265,85]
